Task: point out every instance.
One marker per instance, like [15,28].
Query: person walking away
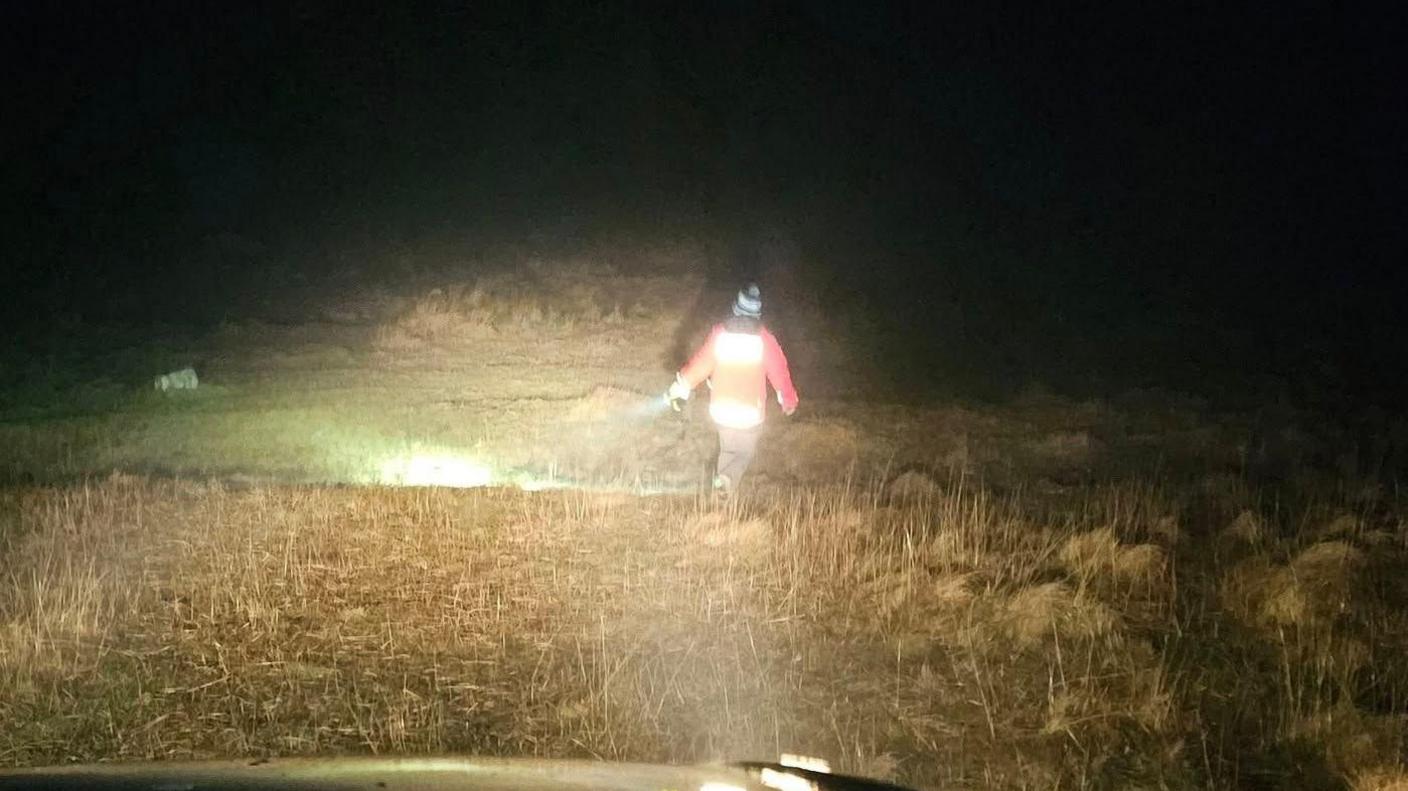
[739,360]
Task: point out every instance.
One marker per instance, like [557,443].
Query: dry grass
[1312,589]
[1382,779]
[1247,528]
[1052,610]
[536,296]
[926,641]
[951,597]
[1098,556]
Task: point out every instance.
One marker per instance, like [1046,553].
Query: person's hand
[677,394]
[679,390]
[789,410]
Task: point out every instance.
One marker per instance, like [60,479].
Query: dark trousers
[736,449]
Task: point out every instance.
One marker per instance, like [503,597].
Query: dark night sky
[1143,194]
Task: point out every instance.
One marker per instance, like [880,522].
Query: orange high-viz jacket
[740,358]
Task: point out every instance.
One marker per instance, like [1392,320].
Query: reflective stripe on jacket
[740,359]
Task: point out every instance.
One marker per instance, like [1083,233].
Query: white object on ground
[184,379]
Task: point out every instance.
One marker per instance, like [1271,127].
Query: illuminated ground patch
[435,469]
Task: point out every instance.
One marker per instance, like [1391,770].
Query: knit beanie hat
[749,302]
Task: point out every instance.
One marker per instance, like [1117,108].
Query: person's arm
[775,365]
[701,365]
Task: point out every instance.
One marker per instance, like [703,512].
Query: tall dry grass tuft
[1053,610]
[1247,528]
[1098,555]
[1312,589]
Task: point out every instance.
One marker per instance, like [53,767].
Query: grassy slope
[1043,593]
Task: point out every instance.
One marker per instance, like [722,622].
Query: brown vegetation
[943,641]
[976,596]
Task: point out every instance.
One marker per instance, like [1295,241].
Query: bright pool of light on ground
[435,469]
